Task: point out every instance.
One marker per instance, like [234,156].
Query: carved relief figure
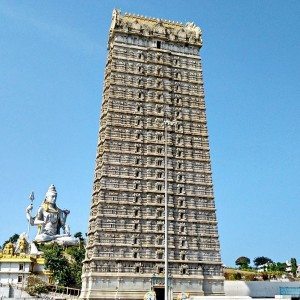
[22,244]
[9,249]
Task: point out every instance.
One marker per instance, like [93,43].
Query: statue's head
[51,195]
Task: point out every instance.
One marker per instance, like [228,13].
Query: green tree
[79,236]
[237,276]
[56,262]
[277,267]
[243,262]
[12,239]
[261,260]
[294,266]
[77,255]
[65,265]
[281,267]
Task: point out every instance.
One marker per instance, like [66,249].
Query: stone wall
[256,289]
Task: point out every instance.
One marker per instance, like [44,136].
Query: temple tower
[153,111]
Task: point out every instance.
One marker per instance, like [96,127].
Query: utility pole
[167,123]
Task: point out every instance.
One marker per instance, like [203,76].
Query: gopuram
[152,221]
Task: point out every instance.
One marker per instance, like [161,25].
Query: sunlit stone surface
[153,74]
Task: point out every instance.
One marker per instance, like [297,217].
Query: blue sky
[52,57]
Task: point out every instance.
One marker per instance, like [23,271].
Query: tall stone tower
[153,132]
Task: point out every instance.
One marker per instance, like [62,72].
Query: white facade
[15,271]
[16,264]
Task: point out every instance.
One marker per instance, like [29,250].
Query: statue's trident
[28,211]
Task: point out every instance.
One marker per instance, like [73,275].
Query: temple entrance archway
[160,293]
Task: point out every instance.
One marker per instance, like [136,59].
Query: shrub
[36,286]
[237,276]
[249,277]
[227,275]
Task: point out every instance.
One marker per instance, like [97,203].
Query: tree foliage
[58,265]
[65,265]
[294,266]
[36,286]
[243,262]
[12,239]
[77,254]
[78,235]
[261,260]
[278,267]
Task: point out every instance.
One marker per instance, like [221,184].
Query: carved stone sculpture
[9,249]
[50,220]
[22,244]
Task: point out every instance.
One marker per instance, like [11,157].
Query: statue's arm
[39,219]
[63,216]
[28,214]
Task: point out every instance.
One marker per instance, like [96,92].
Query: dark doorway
[160,293]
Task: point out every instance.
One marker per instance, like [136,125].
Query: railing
[61,290]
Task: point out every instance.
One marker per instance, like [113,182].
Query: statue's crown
[51,190]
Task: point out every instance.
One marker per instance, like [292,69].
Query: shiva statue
[50,219]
